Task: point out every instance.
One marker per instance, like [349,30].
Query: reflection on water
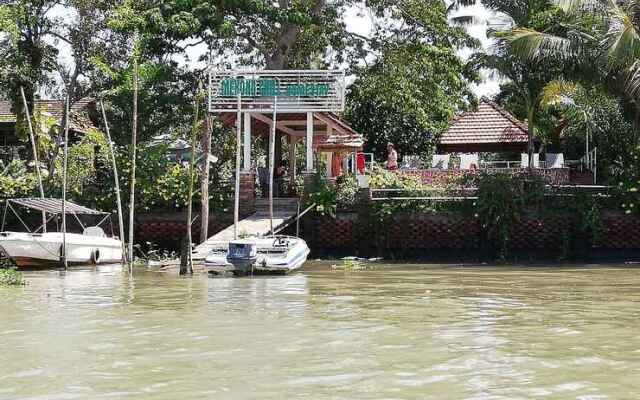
[399,333]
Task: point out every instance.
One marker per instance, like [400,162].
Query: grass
[11,277]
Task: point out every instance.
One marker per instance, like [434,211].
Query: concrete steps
[279,205]
[284,213]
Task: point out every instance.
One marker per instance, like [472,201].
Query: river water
[401,332]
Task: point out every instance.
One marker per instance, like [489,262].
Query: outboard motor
[242,254]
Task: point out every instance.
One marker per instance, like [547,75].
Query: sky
[358,21]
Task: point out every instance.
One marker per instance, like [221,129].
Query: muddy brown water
[400,332]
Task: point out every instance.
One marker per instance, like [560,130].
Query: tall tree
[416,81]
[26,56]
[526,79]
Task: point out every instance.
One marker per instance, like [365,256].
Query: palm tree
[617,37]
[525,79]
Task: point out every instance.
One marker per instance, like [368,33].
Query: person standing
[392,158]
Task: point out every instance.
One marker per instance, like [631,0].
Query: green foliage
[162,184]
[86,157]
[11,277]
[385,179]
[408,97]
[628,188]
[16,181]
[347,192]
[322,194]
[26,59]
[502,198]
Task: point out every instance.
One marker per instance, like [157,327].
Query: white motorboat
[40,248]
[274,255]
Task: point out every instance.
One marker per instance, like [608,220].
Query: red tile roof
[79,122]
[490,124]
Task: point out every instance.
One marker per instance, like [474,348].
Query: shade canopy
[54,206]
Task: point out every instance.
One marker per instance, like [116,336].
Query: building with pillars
[304,106]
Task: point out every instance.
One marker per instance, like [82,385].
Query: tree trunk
[530,123]
[185,256]
[205,144]
[134,144]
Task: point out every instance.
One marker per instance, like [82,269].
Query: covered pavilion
[322,133]
[302,106]
[489,129]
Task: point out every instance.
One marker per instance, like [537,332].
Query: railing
[470,193]
[352,164]
[500,164]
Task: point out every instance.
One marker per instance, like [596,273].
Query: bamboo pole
[65,163]
[134,139]
[204,180]
[272,150]
[34,146]
[117,182]
[192,165]
[236,206]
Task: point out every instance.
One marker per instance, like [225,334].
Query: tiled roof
[79,122]
[490,124]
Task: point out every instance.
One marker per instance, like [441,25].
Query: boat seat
[94,231]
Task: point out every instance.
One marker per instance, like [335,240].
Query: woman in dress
[392,159]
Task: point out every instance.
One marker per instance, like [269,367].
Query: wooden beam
[332,124]
[269,121]
[301,123]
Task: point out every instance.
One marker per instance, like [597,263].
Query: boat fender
[95,257]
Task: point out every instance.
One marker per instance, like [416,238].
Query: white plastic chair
[524,163]
[440,161]
[467,160]
[555,160]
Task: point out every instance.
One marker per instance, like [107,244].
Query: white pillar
[247,142]
[309,142]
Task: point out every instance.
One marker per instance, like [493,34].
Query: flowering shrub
[347,191]
[385,179]
[629,186]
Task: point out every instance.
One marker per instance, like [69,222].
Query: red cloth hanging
[360,163]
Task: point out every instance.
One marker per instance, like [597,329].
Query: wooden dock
[285,212]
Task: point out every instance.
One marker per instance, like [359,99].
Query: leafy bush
[322,194]
[502,198]
[385,179]
[11,277]
[347,192]
[628,189]
[16,181]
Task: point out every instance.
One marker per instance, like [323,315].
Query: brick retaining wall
[456,234]
[420,233]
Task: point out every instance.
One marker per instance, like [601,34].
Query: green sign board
[270,88]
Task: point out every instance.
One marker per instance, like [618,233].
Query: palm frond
[622,40]
[557,92]
[530,44]
[466,20]
[572,6]
[632,80]
[456,4]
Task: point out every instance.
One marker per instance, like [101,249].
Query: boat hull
[43,250]
[271,260]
